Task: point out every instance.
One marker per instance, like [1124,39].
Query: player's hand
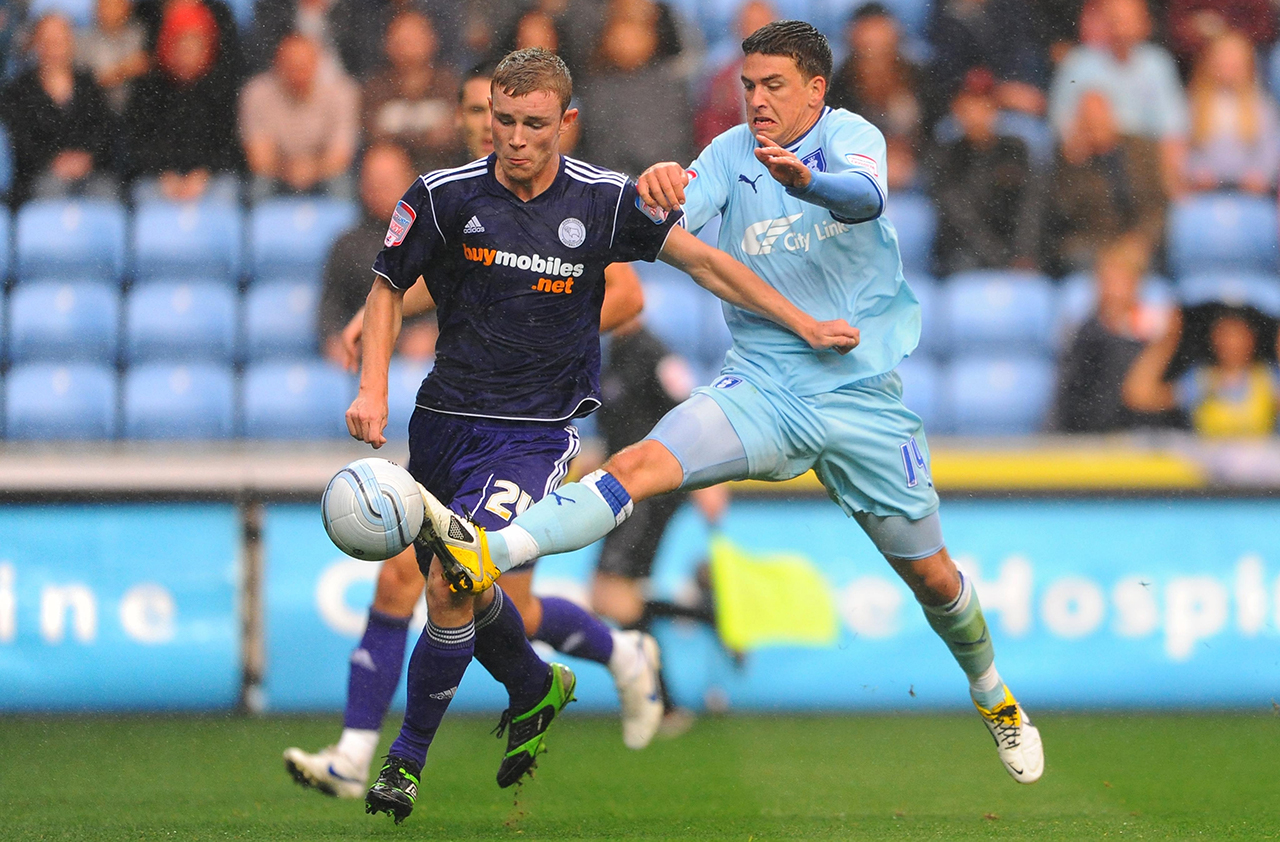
[837,335]
[784,166]
[662,185]
[367,418]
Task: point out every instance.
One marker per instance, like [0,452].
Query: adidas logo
[473,226]
[444,695]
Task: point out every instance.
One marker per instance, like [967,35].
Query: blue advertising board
[1153,603]
[119,607]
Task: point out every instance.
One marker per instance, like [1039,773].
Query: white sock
[987,689]
[518,543]
[358,746]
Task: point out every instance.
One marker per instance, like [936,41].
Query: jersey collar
[794,146]
[498,187]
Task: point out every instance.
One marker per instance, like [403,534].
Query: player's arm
[623,296]
[852,196]
[417,300]
[1144,388]
[731,281]
[383,311]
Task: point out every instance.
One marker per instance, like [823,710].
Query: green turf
[740,778]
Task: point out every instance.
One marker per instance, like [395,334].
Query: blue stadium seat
[403,379]
[63,321]
[6,166]
[298,400]
[998,395]
[1236,289]
[934,338]
[673,313]
[180,321]
[79,12]
[195,239]
[994,310]
[1216,232]
[922,391]
[57,401]
[280,320]
[290,238]
[242,10]
[58,238]
[1077,298]
[4,243]
[167,401]
[916,221]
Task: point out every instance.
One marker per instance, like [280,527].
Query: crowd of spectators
[1051,135]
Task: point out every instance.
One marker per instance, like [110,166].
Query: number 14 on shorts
[913,462]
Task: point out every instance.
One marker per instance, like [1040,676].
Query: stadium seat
[167,401]
[296,400]
[280,320]
[290,238]
[242,10]
[1238,290]
[1217,232]
[180,321]
[921,391]
[403,379]
[6,166]
[192,239]
[997,395]
[56,238]
[1032,131]
[915,220]
[57,401]
[673,313]
[1077,296]
[64,321]
[4,243]
[999,310]
[933,327]
[79,12]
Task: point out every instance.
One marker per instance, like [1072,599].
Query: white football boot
[1017,740]
[327,770]
[634,666]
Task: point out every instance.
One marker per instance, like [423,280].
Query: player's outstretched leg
[962,627]
[537,691]
[569,518]
[435,669]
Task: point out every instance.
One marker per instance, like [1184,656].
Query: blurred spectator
[59,122]
[878,82]
[635,105]
[1235,393]
[274,20]
[581,24]
[1191,25]
[473,112]
[1058,23]
[1103,349]
[1235,130]
[228,63]
[1138,78]
[1103,185]
[989,199]
[384,176]
[114,51]
[299,129]
[997,34]
[413,102]
[182,118]
[722,104]
[535,28]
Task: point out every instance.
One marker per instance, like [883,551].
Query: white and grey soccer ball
[372,509]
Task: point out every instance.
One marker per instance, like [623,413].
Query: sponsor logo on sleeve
[401,221]
[815,160]
[863,162]
[692,173]
[656,215]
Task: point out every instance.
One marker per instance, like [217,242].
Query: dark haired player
[801,190]
[513,250]
[631,656]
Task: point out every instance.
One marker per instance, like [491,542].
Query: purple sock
[375,670]
[504,651]
[575,631]
[436,667]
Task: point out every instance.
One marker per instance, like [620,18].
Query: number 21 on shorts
[913,462]
[504,494]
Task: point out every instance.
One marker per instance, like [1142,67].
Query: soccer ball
[372,509]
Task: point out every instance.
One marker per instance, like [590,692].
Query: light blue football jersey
[829,269]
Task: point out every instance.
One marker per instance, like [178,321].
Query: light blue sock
[963,628]
[569,518]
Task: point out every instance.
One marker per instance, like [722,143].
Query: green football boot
[526,730]
[395,790]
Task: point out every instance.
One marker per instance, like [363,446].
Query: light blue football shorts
[867,449]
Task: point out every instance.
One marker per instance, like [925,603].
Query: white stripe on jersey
[589,178]
[434,176]
[592,168]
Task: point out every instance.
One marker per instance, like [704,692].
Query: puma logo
[751,181]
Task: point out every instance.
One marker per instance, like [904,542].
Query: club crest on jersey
[815,160]
[401,221]
[728,381]
[572,232]
[656,215]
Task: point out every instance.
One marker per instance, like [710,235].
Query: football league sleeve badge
[401,221]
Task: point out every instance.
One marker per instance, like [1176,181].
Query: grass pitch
[741,778]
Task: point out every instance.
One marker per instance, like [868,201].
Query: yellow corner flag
[769,600]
